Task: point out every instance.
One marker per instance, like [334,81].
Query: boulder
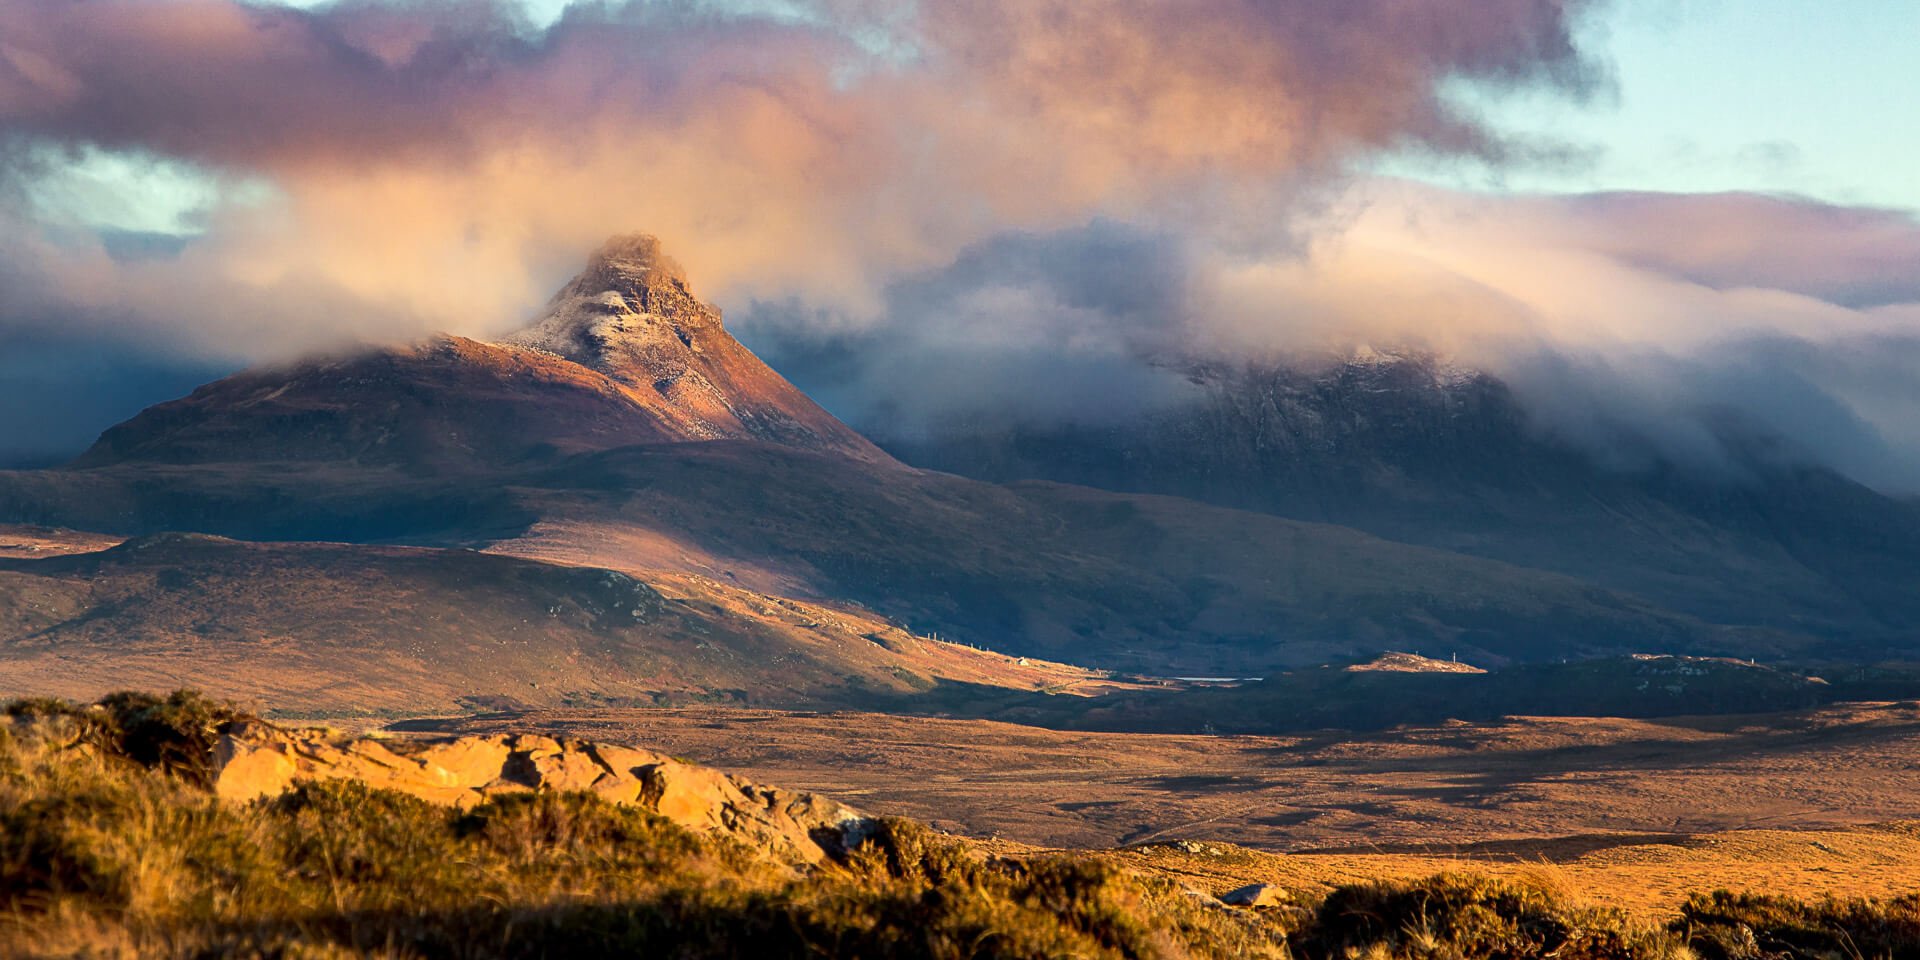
[247,772]
[466,762]
[566,770]
[1257,895]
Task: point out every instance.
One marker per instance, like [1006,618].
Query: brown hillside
[335,628]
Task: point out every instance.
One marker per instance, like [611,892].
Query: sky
[1775,96]
[1644,214]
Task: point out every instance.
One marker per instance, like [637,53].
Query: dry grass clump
[175,733]
[928,895]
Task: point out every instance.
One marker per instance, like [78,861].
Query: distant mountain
[626,430]
[1411,449]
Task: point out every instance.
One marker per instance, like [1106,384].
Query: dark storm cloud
[815,151]
[1259,85]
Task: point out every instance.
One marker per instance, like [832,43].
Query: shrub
[124,849]
[1727,926]
[175,733]
[1455,915]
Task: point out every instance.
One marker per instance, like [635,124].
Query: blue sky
[1779,96]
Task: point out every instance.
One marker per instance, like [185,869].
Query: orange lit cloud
[443,164]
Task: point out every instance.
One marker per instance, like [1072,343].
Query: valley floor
[1632,813]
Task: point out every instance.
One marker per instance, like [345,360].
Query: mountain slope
[1155,584]
[344,628]
[1406,448]
[1151,584]
[447,404]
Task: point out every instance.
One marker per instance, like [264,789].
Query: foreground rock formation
[255,760]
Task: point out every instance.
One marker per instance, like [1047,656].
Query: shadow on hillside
[1750,725]
[1553,850]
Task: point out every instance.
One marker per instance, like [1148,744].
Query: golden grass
[110,845]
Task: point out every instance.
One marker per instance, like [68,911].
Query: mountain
[624,354]
[626,430]
[631,317]
[1410,449]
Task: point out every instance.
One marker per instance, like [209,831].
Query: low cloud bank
[1617,318]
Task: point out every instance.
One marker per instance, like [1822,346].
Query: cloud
[1674,271]
[1702,330]
[1697,330]
[1852,256]
[1028,202]
[1034,326]
[1760,399]
[442,164]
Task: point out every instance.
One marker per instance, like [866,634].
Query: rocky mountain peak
[629,312]
[631,316]
[634,265]
[640,254]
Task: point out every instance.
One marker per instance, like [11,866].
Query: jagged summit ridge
[638,257]
[622,313]
[631,316]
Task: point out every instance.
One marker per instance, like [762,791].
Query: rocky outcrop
[256,760]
